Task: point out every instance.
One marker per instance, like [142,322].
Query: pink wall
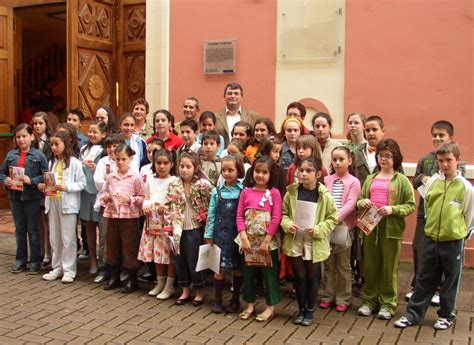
[412,63]
[252,23]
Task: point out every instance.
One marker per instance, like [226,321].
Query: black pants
[307,279]
[440,259]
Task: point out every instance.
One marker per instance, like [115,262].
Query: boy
[449,221]
[207,122]
[75,117]
[211,165]
[374,132]
[189,132]
[442,132]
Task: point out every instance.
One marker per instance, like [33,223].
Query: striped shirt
[189,212]
[337,192]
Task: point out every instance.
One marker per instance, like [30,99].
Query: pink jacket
[347,213]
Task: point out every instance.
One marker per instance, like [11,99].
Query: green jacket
[401,198]
[326,220]
[448,205]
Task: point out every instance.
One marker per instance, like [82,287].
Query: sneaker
[67,280]
[408,295]
[364,311]
[402,322]
[384,314]
[18,268]
[102,277]
[308,317]
[435,300]
[34,268]
[84,255]
[342,308]
[52,275]
[325,304]
[442,323]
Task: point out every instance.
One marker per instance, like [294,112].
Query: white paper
[94,152]
[305,214]
[209,258]
[422,190]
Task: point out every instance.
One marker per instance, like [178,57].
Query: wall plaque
[219,56]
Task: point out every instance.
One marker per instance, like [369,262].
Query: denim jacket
[35,165]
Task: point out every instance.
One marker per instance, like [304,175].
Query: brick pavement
[36,311]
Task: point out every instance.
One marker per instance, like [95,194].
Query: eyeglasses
[385,157]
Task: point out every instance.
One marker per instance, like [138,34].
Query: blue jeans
[25,216]
[187,259]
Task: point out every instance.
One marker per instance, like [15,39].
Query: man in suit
[233,112]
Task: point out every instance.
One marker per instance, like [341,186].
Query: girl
[43,131]
[186,203]
[25,204]
[243,131]
[105,166]
[106,115]
[90,156]
[221,229]
[345,189]
[263,128]
[392,194]
[154,244]
[306,146]
[74,141]
[258,218]
[291,129]
[163,122]
[137,144]
[63,208]
[308,247]
[236,146]
[122,198]
[322,124]
[207,122]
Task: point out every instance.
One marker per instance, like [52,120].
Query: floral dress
[154,244]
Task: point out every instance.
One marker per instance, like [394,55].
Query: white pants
[62,235]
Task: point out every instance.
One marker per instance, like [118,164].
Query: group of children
[158,201]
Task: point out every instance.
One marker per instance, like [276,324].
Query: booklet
[255,258]
[50,182]
[368,219]
[305,214]
[153,222]
[209,257]
[16,175]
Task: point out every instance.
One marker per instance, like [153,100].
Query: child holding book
[392,194]
[25,203]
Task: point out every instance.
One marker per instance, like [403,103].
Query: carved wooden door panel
[7,102]
[131,52]
[91,59]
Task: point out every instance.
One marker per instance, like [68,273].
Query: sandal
[245,315]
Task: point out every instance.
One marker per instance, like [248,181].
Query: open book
[368,219]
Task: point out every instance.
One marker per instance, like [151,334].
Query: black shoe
[217,308]
[308,317]
[34,268]
[17,268]
[114,281]
[102,277]
[132,283]
[299,317]
[146,278]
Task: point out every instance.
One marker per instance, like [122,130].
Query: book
[255,258]
[209,257]
[50,182]
[16,175]
[368,219]
[153,222]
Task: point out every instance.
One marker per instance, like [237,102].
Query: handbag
[340,235]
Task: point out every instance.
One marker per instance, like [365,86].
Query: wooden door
[131,52]
[7,98]
[91,54]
